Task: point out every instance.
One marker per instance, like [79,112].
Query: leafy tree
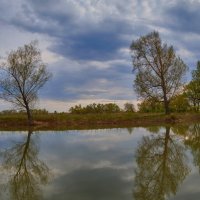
[179,103]
[150,105]
[129,107]
[159,71]
[22,75]
[193,88]
[193,94]
[161,167]
[111,108]
[77,109]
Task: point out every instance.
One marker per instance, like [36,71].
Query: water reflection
[100,164]
[27,172]
[161,167]
[192,140]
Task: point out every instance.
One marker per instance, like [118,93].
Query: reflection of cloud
[190,188]
[90,149]
[103,183]
[74,154]
[100,161]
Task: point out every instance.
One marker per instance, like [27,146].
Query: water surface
[131,164]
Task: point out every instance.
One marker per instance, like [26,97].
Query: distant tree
[150,105]
[193,89]
[9,111]
[22,76]
[111,108]
[95,108]
[77,109]
[39,111]
[159,71]
[129,107]
[179,103]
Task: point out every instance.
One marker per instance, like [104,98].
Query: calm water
[132,164]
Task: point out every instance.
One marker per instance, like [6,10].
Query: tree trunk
[166,101]
[29,115]
[166,105]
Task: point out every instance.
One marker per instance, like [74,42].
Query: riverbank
[64,121]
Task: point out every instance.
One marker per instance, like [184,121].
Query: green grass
[63,121]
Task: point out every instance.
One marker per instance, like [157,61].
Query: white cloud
[5,105]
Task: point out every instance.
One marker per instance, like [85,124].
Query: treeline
[101,108]
[95,108]
[33,111]
[79,109]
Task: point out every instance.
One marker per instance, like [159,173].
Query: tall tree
[159,72]
[22,75]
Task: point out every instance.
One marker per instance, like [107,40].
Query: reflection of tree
[153,129]
[161,167]
[180,130]
[27,170]
[193,141]
[130,130]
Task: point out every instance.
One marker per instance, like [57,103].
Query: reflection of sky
[95,164]
[190,188]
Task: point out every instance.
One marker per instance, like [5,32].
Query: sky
[85,43]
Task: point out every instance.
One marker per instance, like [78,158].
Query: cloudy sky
[85,43]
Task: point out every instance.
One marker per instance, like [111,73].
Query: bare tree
[22,75]
[159,72]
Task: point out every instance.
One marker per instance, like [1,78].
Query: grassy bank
[64,121]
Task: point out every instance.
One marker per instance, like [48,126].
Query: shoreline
[65,121]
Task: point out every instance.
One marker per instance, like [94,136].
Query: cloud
[182,13]
[95,45]
[86,42]
[90,81]
[83,30]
